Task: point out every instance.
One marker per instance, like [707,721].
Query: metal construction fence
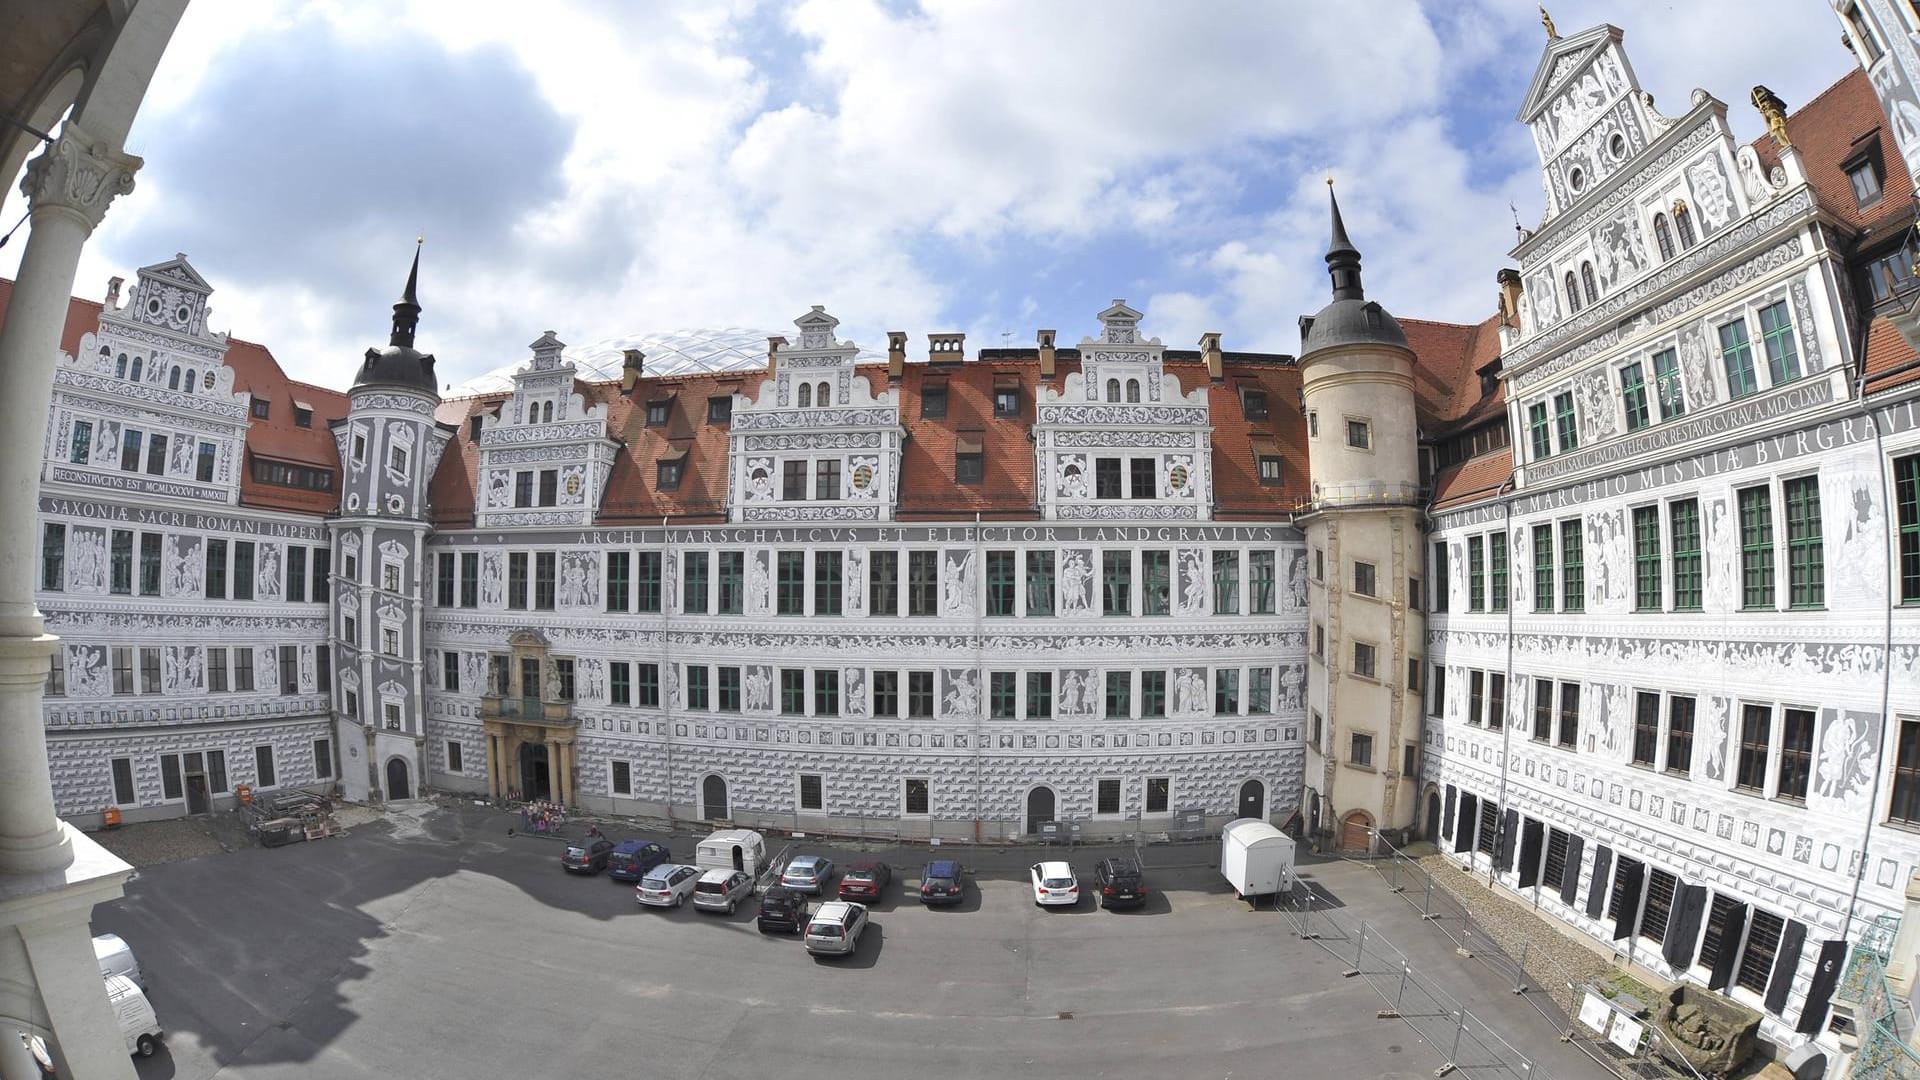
[1877,1016]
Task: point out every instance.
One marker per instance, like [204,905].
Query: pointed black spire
[1343,259]
[406,313]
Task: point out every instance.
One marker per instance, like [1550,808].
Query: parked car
[783,910]
[865,881]
[808,874]
[633,858]
[1054,884]
[138,1025]
[940,883]
[586,857]
[722,890]
[835,929]
[667,885]
[116,958]
[1121,882]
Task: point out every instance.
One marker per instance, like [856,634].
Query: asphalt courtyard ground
[432,944]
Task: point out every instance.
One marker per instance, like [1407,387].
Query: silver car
[722,890]
[667,885]
[808,874]
[835,929]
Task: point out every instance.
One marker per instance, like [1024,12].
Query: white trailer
[1256,858]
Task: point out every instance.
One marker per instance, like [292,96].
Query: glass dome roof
[677,352]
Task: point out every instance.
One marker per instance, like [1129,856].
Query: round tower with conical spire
[1364,546]
[389,447]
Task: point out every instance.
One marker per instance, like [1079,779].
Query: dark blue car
[940,883]
[632,859]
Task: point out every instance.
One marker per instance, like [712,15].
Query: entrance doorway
[534,782]
[1253,800]
[197,802]
[713,801]
[1432,831]
[397,784]
[1356,831]
[1039,808]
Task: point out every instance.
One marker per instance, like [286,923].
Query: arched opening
[806,395]
[535,783]
[1573,294]
[823,396]
[1133,390]
[1432,829]
[713,799]
[1663,236]
[173,379]
[1253,800]
[398,785]
[1683,224]
[1356,831]
[1039,808]
[134,372]
[739,857]
[120,367]
[192,376]
[1113,390]
[1586,280]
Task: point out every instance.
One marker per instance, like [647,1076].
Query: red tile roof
[1473,479]
[1891,361]
[1448,358]
[1831,130]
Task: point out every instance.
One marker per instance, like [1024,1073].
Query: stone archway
[1040,808]
[1253,800]
[1356,831]
[1432,825]
[713,798]
[399,779]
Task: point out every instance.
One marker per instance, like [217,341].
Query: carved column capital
[80,175]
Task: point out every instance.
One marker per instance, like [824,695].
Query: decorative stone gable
[1120,440]
[545,459]
[146,402]
[816,444]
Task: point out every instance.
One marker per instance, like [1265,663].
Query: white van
[732,849]
[137,1022]
[116,958]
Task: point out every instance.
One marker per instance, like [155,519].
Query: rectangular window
[1543,568]
[1736,353]
[157,455]
[1359,435]
[1156,582]
[1756,731]
[933,400]
[619,580]
[523,488]
[1226,691]
[450,671]
[149,670]
[1648,583]
[812,791]
[323,758]
[1361,753]
[1116,583]
[53,557]
[826,583]
[1260,583]
[1120,695]
[1906,774]
[1659,905]
[1756,548]
[793,691]
[1763,944]
[1476,573]
[1039,583]
[1002,695]
[693,583]
[217,670]
[263,766]
[1573,572]
[150,563]
[1142,477]
[1363,578]
[646,581]
[1553,873]
[1667,386]
[170,776]
[1496,701]
[1159,791]
[1226,582]
[444,579]
[790,583]
[543,580]
[1542,710]
[123,792]
[1153,694]
[1319,641]
[826,479]
[621,777]
[886,694]
[243,670]
[732,584]
[1438,695]
[1569,714]
[517,580]
[914,796]
[620,683]
[646,686]
[826,692]
[81,446]
[469,578]
[1679,735]
[122,669]
[793,481]
[1776,335]
[883,583]
[1566,426]
[1442,579]
[1796,754]
[1633,394]
[1497,557]
[204,461]
[1476,696]
[923,584]
[729,682]
[920,695]
[969,468]
[1363,660]
[1646,727]
[699,687]
[1106,478]
[1538,437]
[1107,796]
[120,563]
[1039,695]
[1001,586]
[1806,560]
[1269,469]
[549,487]
[130,439]
[1683,525]
[1906,487]
[1260,691]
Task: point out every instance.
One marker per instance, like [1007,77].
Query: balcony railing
[1367,493]
[530,709]
[1881,1021]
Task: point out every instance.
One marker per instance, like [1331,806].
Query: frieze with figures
[534,517]
[93,384]
[1743,662]
[1737,417]
[541,433]
[106,406]
[1123,415]
[201,349]
[793,362]
[746,421]
[1100,512]
[529,454]
[817,440]
[63,714]
[1164,440]
[810,513]
[374,401]
[1538,245]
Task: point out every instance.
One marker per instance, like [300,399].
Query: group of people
[538,816]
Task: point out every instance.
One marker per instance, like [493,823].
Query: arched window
[1133,389]
[823,396]
[546,413]
[120,369]
[192,377]
[1113,390]
[1573,295]
[1683,223]
[806,395]
[1586,279]
[135,374]
[173,379]
[1663,236]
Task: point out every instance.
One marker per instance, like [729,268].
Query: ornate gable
[545,459]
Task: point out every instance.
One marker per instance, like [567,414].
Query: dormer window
[1864,174]
[668,470]
[1266,460]
[969,462]
[302,414]
[1253,403]
[260,405]
[657,411]
[473,428]
[1006,396]
[933,400]
[720,410]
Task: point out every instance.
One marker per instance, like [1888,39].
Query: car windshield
[1057,882]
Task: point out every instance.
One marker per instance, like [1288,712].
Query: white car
[667,885]
[1054,885]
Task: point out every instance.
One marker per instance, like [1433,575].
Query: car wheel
[146,1046]
[730,906]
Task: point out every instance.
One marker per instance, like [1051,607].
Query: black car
[587,856]
[1120,882]
[940,883]
[783,910]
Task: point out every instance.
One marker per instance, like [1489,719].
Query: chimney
[1510,290]
[946,348]
[896,355]
[1047,357]
[113,292]
[773,353]
[630,371]
[1210,352]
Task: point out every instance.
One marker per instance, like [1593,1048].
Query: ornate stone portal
[530,727]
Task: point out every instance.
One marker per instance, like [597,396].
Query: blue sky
[992,166]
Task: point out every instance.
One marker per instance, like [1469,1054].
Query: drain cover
[1063,1015]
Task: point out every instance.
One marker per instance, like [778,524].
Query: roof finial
[1546,20]
[1774,112]
[1343,259]
[406,313]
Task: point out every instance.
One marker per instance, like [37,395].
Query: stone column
[553,770]
[68,186]
[493,764]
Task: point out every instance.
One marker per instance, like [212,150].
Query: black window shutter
[1509,828]
[1530,834]
[1597,888]
[1683,929]
[1785,963]
[1633,877]
[1446,827]
[1729,948]
[1570,877]
[1469,817]
[1826,976]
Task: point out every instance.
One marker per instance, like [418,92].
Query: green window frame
[790,583]
[1497,558]
[1116,593]
[1261,568]
[1001,585]
[1683,533]
[1668,389]
[1039,583]
[1543,568]
[827,583]
[1633,393]
[732,583]
[1039,695]
[646,581]
[1003,696]
[1776,335]
[1906,491]
[1153,694]
[793,691]
[883,583]
[1156,578]
[1226,582]
[53,557]
[1573,567]
[1476,573]
[1566,423]
[693,583]
[1736,355]
[1648,571]
[1806,555]
[1537,431]
[1756,549]
[1119,695]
